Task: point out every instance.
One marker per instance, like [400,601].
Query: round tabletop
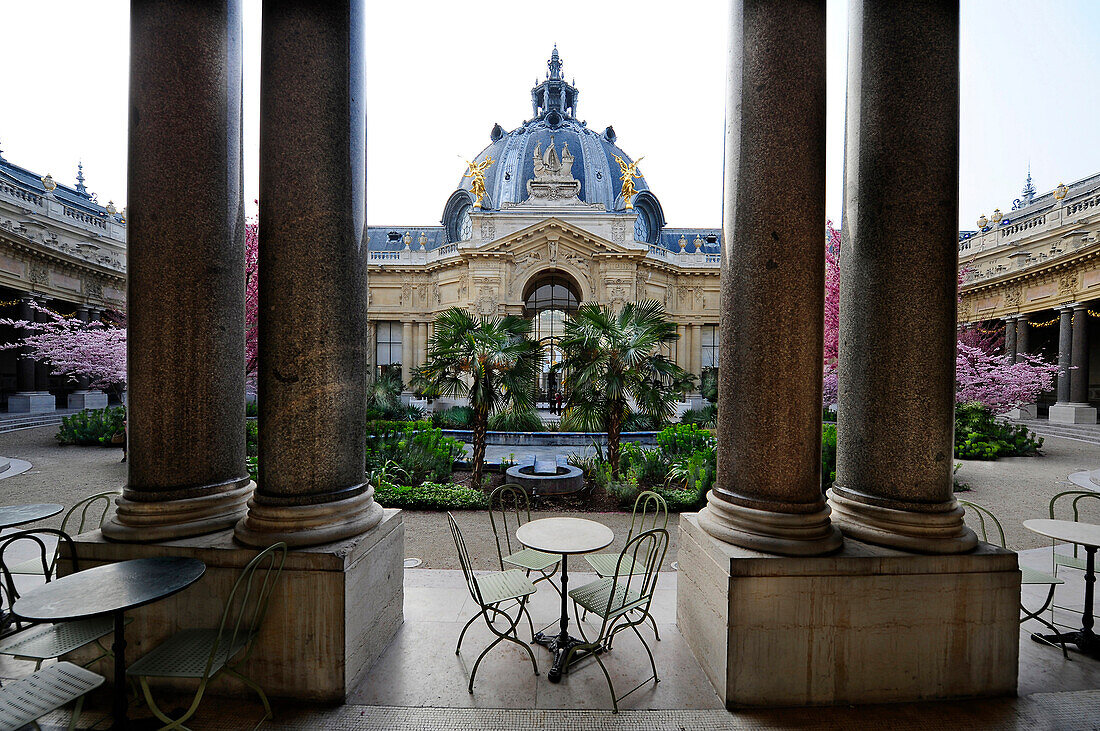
[565,535]
[109,588]
[1085,534]
[13,515]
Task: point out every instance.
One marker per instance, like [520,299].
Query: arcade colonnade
[777,605]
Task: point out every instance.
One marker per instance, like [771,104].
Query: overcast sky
[440,73]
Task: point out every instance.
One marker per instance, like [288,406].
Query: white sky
[440,73]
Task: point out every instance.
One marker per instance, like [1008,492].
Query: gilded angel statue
[476,172]
[629,172]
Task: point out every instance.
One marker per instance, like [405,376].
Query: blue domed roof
[554,103]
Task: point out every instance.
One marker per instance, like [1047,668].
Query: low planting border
[553,438]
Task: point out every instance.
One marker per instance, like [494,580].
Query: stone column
[682,348]
[695,355]
[1065,340]
[895,425]
[313,295]
[408,353]
[768,492]
[1023,333]
[41,367]
[1010,338]
[1074,408]
[83,397]
[186,231]
[421,343]
[27,399]
[24,373]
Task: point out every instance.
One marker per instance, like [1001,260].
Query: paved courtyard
[419,683]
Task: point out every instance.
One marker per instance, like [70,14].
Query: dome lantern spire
[554,99]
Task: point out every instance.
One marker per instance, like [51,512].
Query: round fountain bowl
[568,479]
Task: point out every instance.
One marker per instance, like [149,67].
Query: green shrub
[430,496]
[642,422]
[689,478]
[624,490]
[828,455]
[251,462]
[650,466]
[978,435]
[251,409]
[252,438]
[705,417]
[708,384]
[415,450]
[456,417]
[526,420]
[684,439]
[92,426]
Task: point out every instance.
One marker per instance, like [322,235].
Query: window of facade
[388,348]
[710,343]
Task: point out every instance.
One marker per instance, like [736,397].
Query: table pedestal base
[1087,642]
[560,645]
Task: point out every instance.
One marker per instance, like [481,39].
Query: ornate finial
[407,238]
[629,173]
[554,63]
[982,222]
[423,241]
[48,183]
[997,216]
[1060,192]
[476,172]
[683,243]
[1028,193]
[80,187]
[111,210]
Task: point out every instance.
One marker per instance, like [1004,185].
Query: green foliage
[456,417]
[251,409]
[252,437]
[430,496]
[828,454]
[705,417]
[683,439]
[252,463]
[92,426]
[978,435]
[643,422]
[384,400]
[708,384]
[519,420]
[414,451]
[689,478]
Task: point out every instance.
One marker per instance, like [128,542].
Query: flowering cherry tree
[95,350]
[980,374]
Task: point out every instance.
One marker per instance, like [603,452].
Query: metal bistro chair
[205,654]
[1075,559]
[621,601]
[87,514]
[511,502]
[490,591]
[41,642]
[1033,577]
[650,511]
[28,699]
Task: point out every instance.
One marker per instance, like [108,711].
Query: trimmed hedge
[430,496]
[92,426]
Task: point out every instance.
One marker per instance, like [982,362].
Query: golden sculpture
[629,172]
[476,171]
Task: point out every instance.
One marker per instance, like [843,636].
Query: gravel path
[1015,489]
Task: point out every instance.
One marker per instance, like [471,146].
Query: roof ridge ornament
[80,187]
[553,181]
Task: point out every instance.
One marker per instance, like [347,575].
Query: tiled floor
[419,683]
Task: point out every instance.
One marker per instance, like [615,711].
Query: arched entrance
[547,300]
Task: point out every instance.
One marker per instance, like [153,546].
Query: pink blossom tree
[96,350]
[981,375]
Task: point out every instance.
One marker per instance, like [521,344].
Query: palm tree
[490,361]
[612,359]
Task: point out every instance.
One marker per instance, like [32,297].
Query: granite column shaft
[1023,336]
[1079,376]
[41,367]
[1065,354]
[313,294]
[898,303]
[1010,338]
[768,491]
[185,225]
[24,367]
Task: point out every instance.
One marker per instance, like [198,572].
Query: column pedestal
[87,399]
[1072,414]
[1024,412]
[348,594]
[32,402]
[867,624]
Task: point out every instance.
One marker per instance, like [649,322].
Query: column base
[864,625]
[308,525]
[87,400]
[1023,412]
[31,402]
[137,521]
[332,614]
[938,529]
[786,534]
[1072,414]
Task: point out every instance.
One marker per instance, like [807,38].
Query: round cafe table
[110,589]
[13,515]
[1087,536]
[564,536]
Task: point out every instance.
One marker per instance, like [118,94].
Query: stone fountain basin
[564,480]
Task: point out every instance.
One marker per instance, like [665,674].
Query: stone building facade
[62,248]
[552,229]
[1033,274]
